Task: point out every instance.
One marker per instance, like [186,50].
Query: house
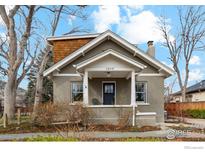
[194,93]
[109,75]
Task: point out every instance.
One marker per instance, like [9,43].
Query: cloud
[196,75]
[71,19]
[131,22]
[195,60]
[105,17]
[136,7]
[140,28]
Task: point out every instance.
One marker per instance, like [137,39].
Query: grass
[14,121]
[51,139]
[70,139]
[136,139]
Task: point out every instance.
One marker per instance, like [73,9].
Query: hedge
[195,113]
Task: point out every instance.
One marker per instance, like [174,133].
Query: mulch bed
[24,128]
[30,128]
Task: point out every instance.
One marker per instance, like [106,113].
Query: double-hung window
[141,92]
[77,91]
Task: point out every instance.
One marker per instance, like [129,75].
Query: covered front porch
[109,84]
[107,87]
[110,92]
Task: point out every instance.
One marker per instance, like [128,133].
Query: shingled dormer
[65,45]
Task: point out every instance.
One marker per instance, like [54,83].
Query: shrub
[48,113]
[124,120]
[44,114]
[195,113]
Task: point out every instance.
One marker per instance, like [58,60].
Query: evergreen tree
[47,83]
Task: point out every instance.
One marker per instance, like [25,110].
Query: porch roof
[113,53]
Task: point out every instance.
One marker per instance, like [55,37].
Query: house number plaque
[109,68]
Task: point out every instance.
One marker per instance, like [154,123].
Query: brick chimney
[151,48]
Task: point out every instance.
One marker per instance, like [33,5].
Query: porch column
[133,100]
[85,88]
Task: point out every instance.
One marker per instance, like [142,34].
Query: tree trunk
[39,90]
[10,97]
[39,78]
[183,94]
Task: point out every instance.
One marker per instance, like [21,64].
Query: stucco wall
[122,90]
[155,86]
[110,115]
[62,92]
[62,88]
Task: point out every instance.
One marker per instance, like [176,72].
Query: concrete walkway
[192,122]
[170,134]
[199,123]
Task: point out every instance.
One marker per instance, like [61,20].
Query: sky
[137,24]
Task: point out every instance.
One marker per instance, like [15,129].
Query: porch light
[108,74]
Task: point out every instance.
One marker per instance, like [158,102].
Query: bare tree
[56,12]
[15,50]
[168,90]
[188,39]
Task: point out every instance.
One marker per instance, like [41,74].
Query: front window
[141,92]
[77,91]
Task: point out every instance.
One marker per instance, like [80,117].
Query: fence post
[19,116]
[5,120]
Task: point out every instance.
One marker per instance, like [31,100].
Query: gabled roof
[116,38]
[68,37]
[200,86]
[110,52]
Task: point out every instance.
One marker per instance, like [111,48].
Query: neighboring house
[194,93]
[109,75]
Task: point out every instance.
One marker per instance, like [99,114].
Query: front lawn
[131,139]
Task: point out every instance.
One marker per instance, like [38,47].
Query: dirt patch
[124,129]
[30,128]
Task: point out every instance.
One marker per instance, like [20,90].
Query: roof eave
[54,38]
[117,38]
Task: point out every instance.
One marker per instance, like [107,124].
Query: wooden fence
[24,110]
[176,109]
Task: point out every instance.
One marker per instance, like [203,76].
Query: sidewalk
[196,122]
[161,133]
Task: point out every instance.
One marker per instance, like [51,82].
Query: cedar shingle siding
[63,48]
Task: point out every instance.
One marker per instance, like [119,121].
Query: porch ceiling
[107,74]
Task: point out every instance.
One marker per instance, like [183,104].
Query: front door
[108,93]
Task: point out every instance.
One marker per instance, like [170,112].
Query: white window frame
[71,85]
[146,93]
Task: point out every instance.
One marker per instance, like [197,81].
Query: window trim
[71,91]
[146,93]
